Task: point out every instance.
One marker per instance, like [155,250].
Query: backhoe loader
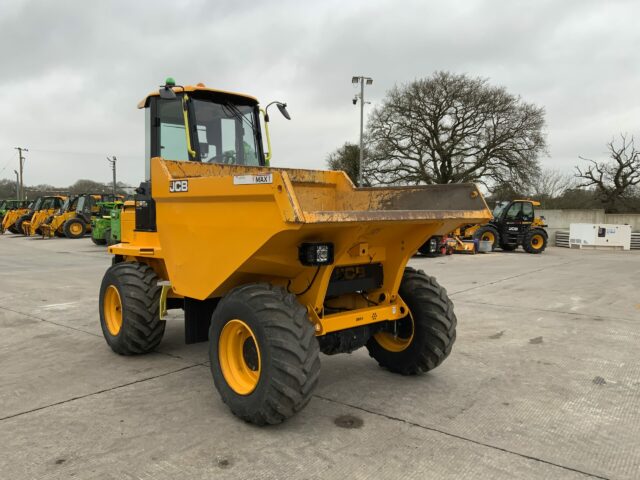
[30,223]
[11,217]
[272,265]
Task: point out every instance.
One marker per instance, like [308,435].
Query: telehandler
[513,224]
[272,265]
[9,205]
[12,215]
[75,217]
[30,223]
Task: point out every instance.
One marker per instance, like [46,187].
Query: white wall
[561,219]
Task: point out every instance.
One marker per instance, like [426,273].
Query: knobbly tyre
[272,265]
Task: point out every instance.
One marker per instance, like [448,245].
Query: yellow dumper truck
[272,265]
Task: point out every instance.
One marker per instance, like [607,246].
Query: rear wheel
[424,338]
[108,238]
[98,241]
[130,308]
[264,355]
[488,234]
[74,228]
[535,241]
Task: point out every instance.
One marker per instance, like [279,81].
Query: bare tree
[550,183]
[453,128]
[616,181]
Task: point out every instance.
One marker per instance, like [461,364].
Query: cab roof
[535,203]
[200,87]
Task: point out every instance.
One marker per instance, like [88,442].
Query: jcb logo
[176,186]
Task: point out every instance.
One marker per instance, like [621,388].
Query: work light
[316,253]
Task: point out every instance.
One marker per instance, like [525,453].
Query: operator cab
[200,124]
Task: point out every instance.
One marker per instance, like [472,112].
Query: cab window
[173,141]
[527,212]
[514,212]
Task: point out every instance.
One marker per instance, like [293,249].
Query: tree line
[451,128]
[8,188]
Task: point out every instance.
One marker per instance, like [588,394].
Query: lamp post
[21,151]
[361,80]
[113,161]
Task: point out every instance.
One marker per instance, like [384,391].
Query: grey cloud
[73,71]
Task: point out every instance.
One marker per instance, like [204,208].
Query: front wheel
[263,352]
[74,228]
[19,222]
[535,241]
[424,338]
[488,234]
[130,308]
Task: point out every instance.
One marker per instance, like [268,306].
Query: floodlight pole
[361,80]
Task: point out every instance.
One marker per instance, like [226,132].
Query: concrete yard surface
[543,382]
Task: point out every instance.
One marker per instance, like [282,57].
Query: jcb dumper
[272,265]
[30,223]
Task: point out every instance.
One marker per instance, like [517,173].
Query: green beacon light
[170,82]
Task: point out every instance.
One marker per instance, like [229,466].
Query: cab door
[512,226]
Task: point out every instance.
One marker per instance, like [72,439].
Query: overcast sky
[73,71]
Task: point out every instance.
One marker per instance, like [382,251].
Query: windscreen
[497,211]
[226,132]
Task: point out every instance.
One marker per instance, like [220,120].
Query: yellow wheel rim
[537,241]
[112,310]
[76,228]
[488,237]
[239,357]
[400,339]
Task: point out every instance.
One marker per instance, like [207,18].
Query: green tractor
[105,227]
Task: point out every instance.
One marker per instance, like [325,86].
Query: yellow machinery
[30,225]
[73,220]
[12,215]
[272,265]
[513,224]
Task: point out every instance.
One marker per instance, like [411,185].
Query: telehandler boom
[272,265]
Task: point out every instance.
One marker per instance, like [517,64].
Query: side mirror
[283,110]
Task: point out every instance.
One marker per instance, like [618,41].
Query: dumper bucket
[221,225]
